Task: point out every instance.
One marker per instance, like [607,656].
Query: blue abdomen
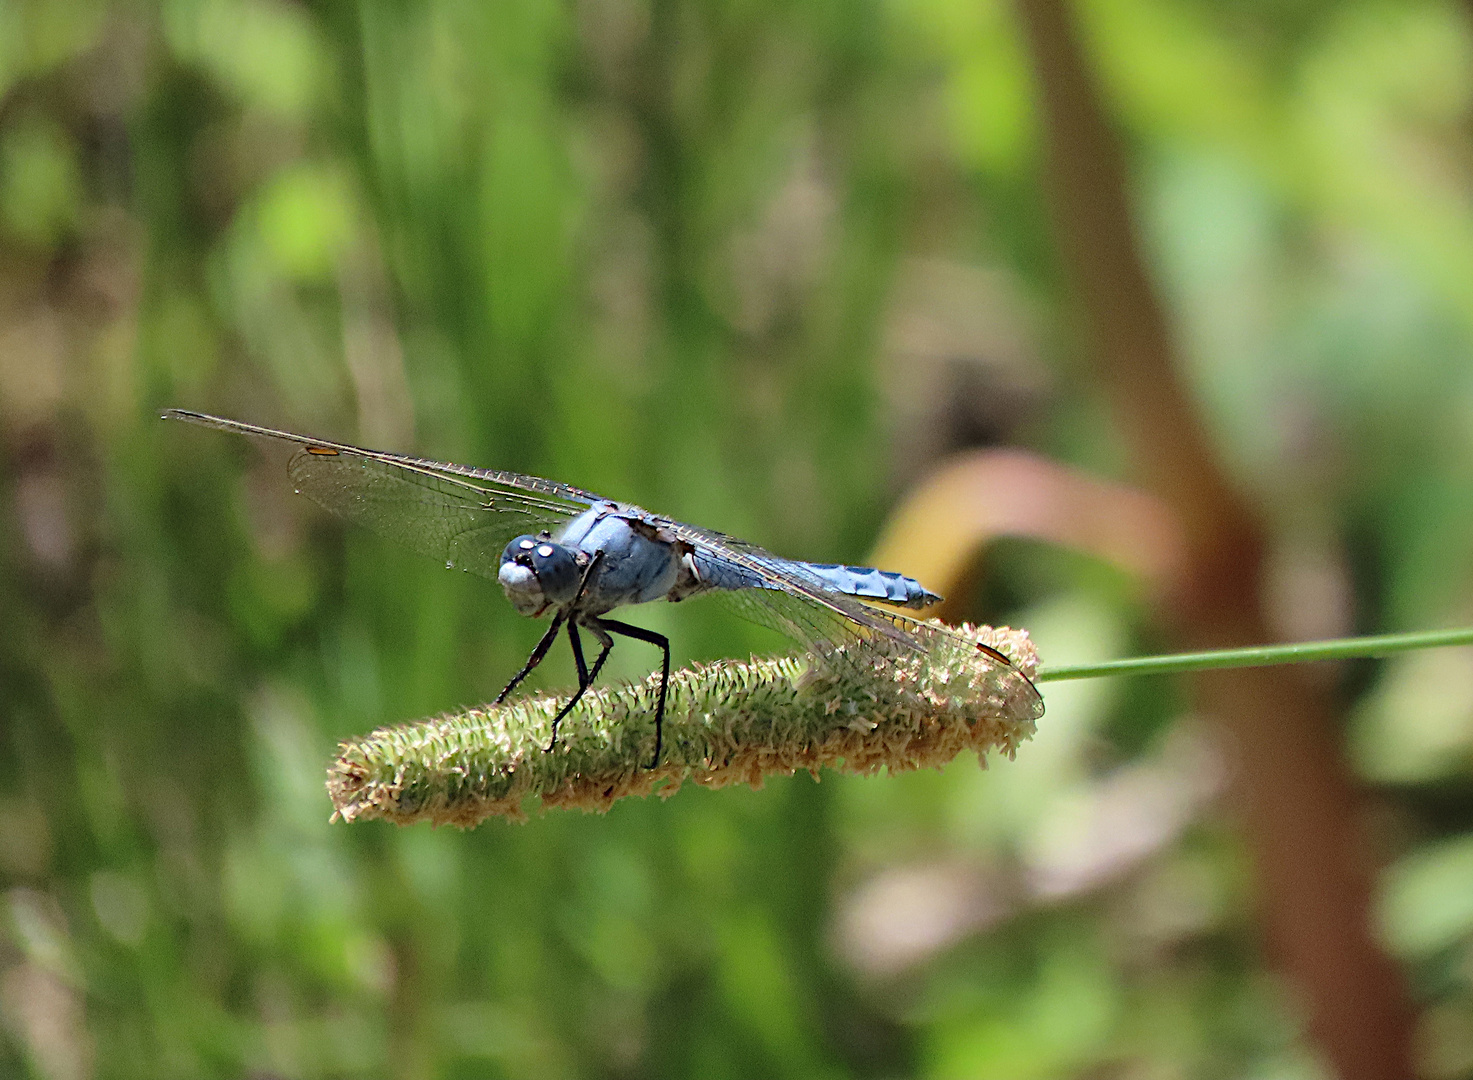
[862,581]
[872,584]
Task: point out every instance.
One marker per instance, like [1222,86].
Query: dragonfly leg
[605,644]
[585,677]
[613,626]
[577,643]
[603,655]
[536,657]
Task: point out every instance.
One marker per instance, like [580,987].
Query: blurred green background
[759,264]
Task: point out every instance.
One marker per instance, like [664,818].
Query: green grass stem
[1262,655]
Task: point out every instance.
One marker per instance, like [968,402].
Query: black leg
[599,663]
[605,642]
[585,676]
[640,633]
[577,643]
[585,680]
[536,657]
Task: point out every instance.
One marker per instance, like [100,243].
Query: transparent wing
[781,594]
[461,515]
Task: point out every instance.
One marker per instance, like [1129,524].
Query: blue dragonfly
[558,550]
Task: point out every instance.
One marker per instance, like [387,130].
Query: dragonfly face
[537,575]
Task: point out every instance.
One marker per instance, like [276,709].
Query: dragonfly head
[537,574]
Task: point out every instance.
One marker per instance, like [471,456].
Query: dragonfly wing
[762,578]
[858,647]
[463,523]
[795,602]
[460,515]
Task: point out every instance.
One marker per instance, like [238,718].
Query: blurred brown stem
[1298,803]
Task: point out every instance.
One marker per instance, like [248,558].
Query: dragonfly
[563,552]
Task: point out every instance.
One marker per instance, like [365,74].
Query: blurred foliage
[726,259]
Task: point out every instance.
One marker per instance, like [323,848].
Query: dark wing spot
[990,651]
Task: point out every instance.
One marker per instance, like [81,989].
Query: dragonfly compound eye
[557,571]
[536,573]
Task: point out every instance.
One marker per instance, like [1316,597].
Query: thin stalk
[1262,655]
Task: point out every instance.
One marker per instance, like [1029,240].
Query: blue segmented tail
[872,584]
[862,581]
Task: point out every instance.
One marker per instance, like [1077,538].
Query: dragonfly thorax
[538,574]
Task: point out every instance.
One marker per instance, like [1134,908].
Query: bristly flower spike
[726,723]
